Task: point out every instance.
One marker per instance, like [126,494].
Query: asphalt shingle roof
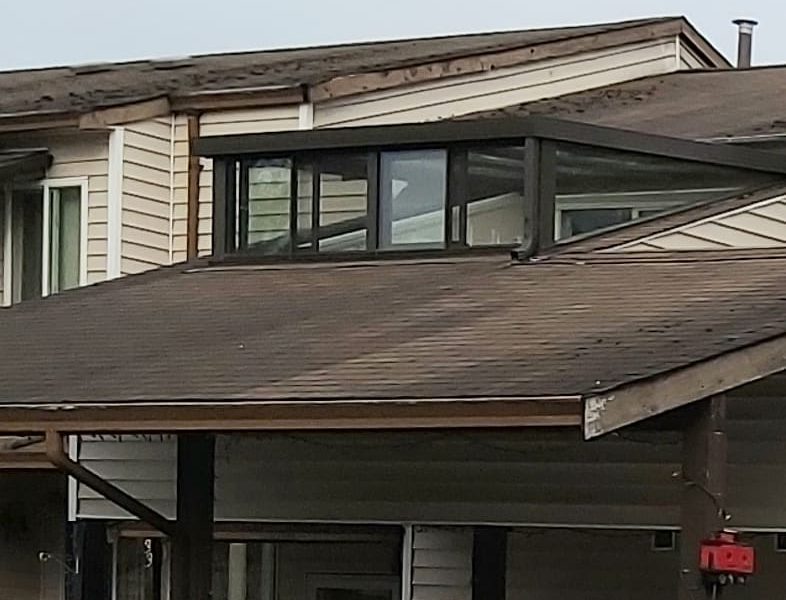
[461,327]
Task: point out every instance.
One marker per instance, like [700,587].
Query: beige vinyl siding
[760,225]
[147,207]
[261,120]
[501,88]
[442,563]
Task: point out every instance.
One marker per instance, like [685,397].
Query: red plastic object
[724,554]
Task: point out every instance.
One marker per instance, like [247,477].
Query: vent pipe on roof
[744,41]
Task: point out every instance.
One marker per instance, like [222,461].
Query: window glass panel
[26,234]
[305,206]
[64,237]
[343,203]
[412,199]
[268,210]
[599,187]
[495,203]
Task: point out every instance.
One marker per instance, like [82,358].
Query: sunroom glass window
[598,188]
[343,203]
[265,221]
[412,191]
[495,196]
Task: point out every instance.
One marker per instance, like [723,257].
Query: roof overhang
[640,400]
[151,417]
[24,164]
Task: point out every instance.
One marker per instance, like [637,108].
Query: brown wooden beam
[443,414]
[704,465]
[126,113]
[641,400]
[56,455]
[192,548]
[194,172]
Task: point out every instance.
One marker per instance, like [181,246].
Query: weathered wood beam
[704,466]
[127,113]
[641,400]
[349,85]
[194,172]
[192,548]
[58,457]
[447,413]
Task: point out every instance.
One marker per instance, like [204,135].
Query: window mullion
[458,196]
[372,187]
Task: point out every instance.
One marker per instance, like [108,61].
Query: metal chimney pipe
[744,41]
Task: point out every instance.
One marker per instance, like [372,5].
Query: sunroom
[527,184]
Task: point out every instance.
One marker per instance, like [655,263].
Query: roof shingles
[480,327]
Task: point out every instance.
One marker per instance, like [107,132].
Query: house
[405,417]
[482,381]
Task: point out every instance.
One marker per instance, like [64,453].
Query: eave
[152,417]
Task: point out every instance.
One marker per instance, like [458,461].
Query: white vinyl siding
[147,206]
[760,225]
[442,563]
[260,120]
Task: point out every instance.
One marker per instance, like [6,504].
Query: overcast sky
[56,32]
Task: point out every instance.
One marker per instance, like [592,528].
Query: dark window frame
[538,135]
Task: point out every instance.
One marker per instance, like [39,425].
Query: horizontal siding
[442,563]
[535,478]
[261,120]
[501,88]
[760,225]
[148,203]
[588,565]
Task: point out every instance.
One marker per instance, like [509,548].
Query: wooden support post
[192,548]
[489,563]
[704,494]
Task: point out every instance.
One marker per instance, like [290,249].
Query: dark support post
[489,563]
[704,493]
[192,547]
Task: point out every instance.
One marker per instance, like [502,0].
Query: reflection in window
[412,199]
[343,203]
[599,187]
[27,244]
[65,205]
[265,221]
[495,202]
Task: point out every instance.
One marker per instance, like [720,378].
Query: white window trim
[114,235]
[48,185]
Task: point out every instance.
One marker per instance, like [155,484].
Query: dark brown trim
[704,466]
[303,416]
[238,98]
[501,130]
[57,456]
[192,547]
[489,563]
[194,172]
[127,113]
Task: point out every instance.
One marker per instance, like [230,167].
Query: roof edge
[642,399]
[481,62]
